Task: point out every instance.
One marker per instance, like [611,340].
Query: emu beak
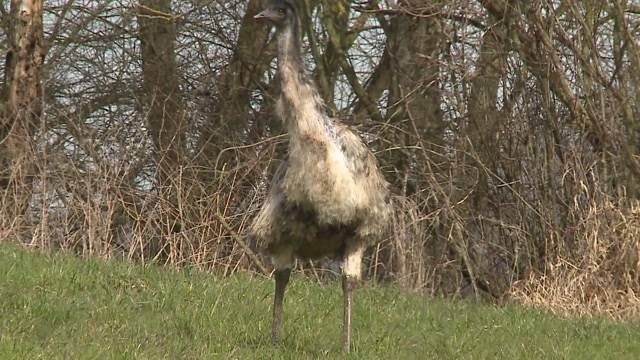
[268,14]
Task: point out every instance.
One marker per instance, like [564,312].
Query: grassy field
[56,306]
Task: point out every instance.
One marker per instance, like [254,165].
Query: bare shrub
[594,266]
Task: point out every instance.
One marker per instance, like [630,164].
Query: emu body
[328,198]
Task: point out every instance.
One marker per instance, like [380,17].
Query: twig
[252,255]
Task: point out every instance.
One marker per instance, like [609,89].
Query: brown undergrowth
[596,272]
[584,264]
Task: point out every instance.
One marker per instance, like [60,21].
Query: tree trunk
[414,57]
[231,106]
[164,109]
[414,45]
[484,117]
[482,158]
[335,17]
[164,113]
[22,112]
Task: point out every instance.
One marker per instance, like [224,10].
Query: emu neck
[289,50]
[302,107]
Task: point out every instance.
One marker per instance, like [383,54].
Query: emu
[328,198]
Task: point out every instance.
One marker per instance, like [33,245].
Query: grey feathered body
[329,193]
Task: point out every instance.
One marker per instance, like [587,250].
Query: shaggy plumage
[328,198]
[327,194]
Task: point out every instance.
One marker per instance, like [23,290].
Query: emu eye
[282,11]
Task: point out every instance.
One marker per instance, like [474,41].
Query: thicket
[508,129]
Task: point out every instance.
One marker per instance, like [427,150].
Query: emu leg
[348,284]
[351,271]
[282,279]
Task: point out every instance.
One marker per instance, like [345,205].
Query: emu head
[279,12]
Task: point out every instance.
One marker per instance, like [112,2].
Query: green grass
[59,306]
